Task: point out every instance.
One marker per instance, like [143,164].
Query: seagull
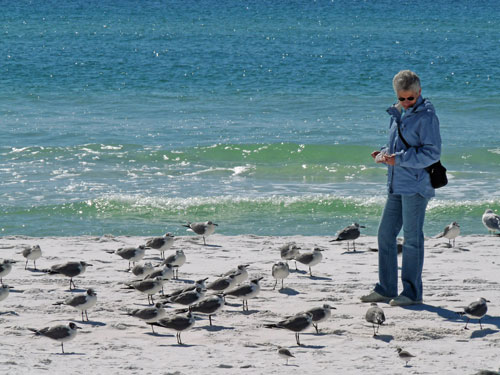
[81,302]
[450,232]
[197,284]
[176,260]
[32,253]
[148,286]
[177,322]
[310,258]
[240,273]
[404,356]
[69,269]
[375,315]
[132,254]
[166,272]
[491,221]
[59,333]
[285,353]
[209,306]
[4,292]
[161,243]
[5,268]
[476,309]
[296,323]
[143,270]
[203,229]
[189,297]
[149,314]
[245,292]
[320,314]
[349,233]
[280,271]
[222,283]
[289,251]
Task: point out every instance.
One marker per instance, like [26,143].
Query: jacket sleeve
[429,151]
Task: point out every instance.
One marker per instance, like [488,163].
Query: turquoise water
[132,118]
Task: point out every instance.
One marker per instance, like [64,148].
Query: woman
[409,190]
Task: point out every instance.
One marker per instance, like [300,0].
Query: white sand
[238,342]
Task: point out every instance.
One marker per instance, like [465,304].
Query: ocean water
[131,118]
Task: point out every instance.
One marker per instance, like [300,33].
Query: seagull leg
[310,272]
[480,325]
[374,334]
[274,287]
[26,265]
[297,338]
[316,327]
[468,319]
[204,242]
[354,246]
[62,348]
[34,264]
[296,269]
[282,287]
[152,328]
[210,320]
[82,317]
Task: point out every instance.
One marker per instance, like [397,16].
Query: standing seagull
[149,314]
[476,309]
[209,306]
[285,353]
[161,243]
[222,283]
[240,273]
[320,314]
[310,258]
[404,356]
[491,221]
[375,315]
[245,292]
[176,260]
[296,323]
[197,284]
[148,286]
[132,254]
[4,292]
[5,268]
[143,270]
[203,229]
[349,233]
[69,269]
[178,323]
[81,302]
[60,333]
[280,271]
[188,298]
[289,251]
[450,232]
[32,253]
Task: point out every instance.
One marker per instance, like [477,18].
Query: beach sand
[112,342]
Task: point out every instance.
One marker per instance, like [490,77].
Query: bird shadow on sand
[350,252]
[215,328]
[9,313]
[156,334]
[34,270]
[481,333]
[90,323]
[178,345]
[288,291]
[440,311]
[302,346]
[320,278]
[214,246]
[290,365]
[385,338]
[71,353]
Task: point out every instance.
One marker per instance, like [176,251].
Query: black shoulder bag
[437,171]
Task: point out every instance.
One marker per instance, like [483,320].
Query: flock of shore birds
[209,298]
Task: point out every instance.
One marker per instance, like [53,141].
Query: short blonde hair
[406,80]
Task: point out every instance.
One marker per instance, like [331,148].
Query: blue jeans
[408,212]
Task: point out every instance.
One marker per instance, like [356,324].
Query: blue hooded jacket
[420,128]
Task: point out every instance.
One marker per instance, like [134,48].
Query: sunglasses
[410,99]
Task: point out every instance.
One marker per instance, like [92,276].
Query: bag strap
[401,136]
